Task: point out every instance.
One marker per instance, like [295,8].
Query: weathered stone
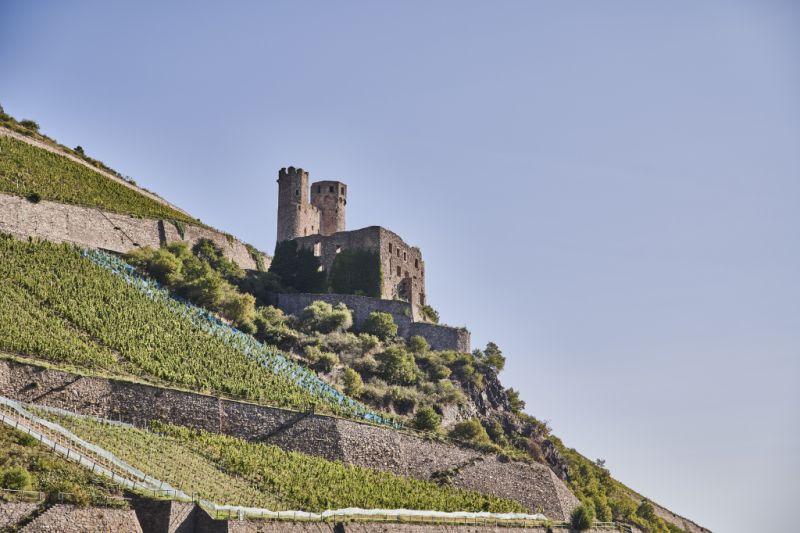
[63,518]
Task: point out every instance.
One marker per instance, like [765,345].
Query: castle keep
[317,222]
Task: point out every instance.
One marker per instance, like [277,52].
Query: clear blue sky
[608,190]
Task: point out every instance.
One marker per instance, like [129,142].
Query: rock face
[402,453]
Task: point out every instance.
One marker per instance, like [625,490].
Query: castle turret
[296,216]
[330,198]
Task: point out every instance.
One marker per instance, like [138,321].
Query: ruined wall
[403,271]
[84,519]
[332,438]
[93,228]
[440,337]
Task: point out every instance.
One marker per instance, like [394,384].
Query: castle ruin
[317,222]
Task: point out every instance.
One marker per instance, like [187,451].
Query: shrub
[34,198]
[353,384]
[368,342]
[430,314]
[397,366]
[403,399]
[356,271]
[297,269]
[381,325]
[470,430]
[79,149]
[418,345]
[427,419]
[582,517]
[326,361]
[29,125]
[324,318]
[16,478]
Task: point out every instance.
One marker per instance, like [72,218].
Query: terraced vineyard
[57,305]
[26,170]
[234,471]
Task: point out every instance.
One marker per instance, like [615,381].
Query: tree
[29,125]
[397,366]
[381,325]
[494,358]
[427,419]
[514,401]
[582,517]
[16,478]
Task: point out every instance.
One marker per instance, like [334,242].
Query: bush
[324,318]
[397,366]
[34,197]
[381,325]
[326,361]
[516,403]
[16,478]
[298,269]
[427,419]
[368,342]
[29,125]
[353,384]
[403,399]
[418,345]
[471,431]
[430,314]
[582,517]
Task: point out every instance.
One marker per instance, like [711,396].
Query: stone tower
[330,198]
[296,216]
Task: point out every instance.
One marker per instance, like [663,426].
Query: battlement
[292,173]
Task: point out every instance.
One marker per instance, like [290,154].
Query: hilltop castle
[319,224]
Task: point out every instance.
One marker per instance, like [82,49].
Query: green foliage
[582,517]
[297,270]
[180,227]
[430,314]
[16,478]
[381,325]
[29,124]
[25,464]
[26,169]
[397,366]
[418,345]
[353,384]
[235,471]
[207,251]
[403,399]
[517,404]
[493,357]
[356,271]
[257,256]
[323,317]
[57,305]
[34,197]
[427,419]
[471,431]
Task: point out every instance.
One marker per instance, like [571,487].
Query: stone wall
[11,513]
[332,438]
[60,518]
[440,337]
[94,228]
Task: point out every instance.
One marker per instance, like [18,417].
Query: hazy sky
[608,190]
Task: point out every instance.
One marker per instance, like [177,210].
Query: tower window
[416,263]
[297,193]
[398,271]
[317,249]
[321,268]
[405,258]
[298,208]
[330,189]
[338,249]
[319,188]
[390,247]
[342,190]
[398,252]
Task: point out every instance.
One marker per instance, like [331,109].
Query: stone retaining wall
[62,518]
[11,513]
[534,486]
[93,228]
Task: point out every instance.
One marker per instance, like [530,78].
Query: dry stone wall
[329,437]
[62,518]
[11,513]
[94,228]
